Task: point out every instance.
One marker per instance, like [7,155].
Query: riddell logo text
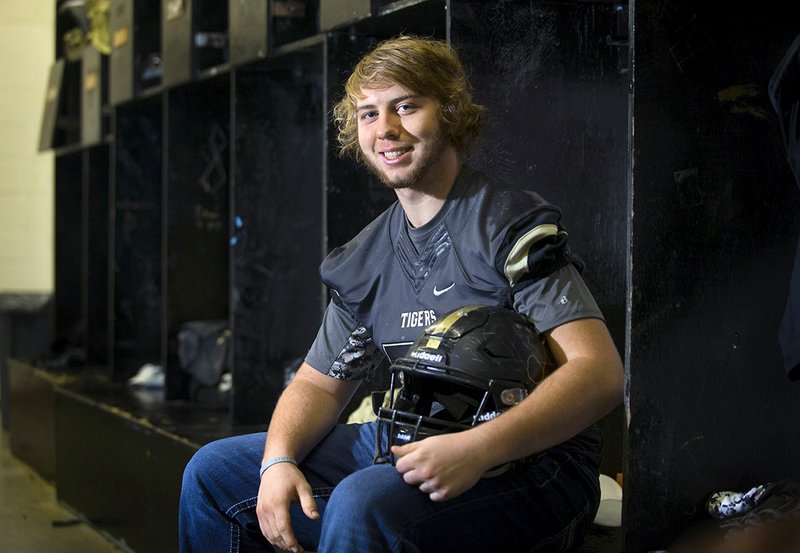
[425,356]
[415,319]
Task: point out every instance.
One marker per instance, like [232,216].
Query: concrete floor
[32,520]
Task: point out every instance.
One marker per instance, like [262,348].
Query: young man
[453,238]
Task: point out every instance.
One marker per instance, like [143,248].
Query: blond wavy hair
[424,66]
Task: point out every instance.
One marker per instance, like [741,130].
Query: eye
[368,115]
[406,108]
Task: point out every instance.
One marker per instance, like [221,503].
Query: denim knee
[364,513]
[218,496]
[367,489]
[205,461]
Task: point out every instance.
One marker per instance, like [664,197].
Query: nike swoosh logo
[437,292]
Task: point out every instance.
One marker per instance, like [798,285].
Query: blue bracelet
[275,461]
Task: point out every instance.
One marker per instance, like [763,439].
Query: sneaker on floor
[149,376]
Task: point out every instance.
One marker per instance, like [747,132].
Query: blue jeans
[544,503]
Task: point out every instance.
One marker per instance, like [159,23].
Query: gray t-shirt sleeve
[556,299]
[343,347]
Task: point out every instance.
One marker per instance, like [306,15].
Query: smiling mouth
[394,154]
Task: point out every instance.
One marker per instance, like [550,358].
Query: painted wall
[26,176]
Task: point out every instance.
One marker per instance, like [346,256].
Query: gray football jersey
[487,245]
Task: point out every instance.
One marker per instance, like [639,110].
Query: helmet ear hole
[513,396]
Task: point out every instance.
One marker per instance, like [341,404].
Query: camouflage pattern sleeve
[344,348]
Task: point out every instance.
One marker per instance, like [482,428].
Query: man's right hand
[282,485]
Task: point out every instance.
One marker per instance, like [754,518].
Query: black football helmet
[466,368]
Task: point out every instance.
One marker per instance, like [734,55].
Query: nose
[389,126]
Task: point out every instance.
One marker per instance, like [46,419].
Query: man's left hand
[443,466]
